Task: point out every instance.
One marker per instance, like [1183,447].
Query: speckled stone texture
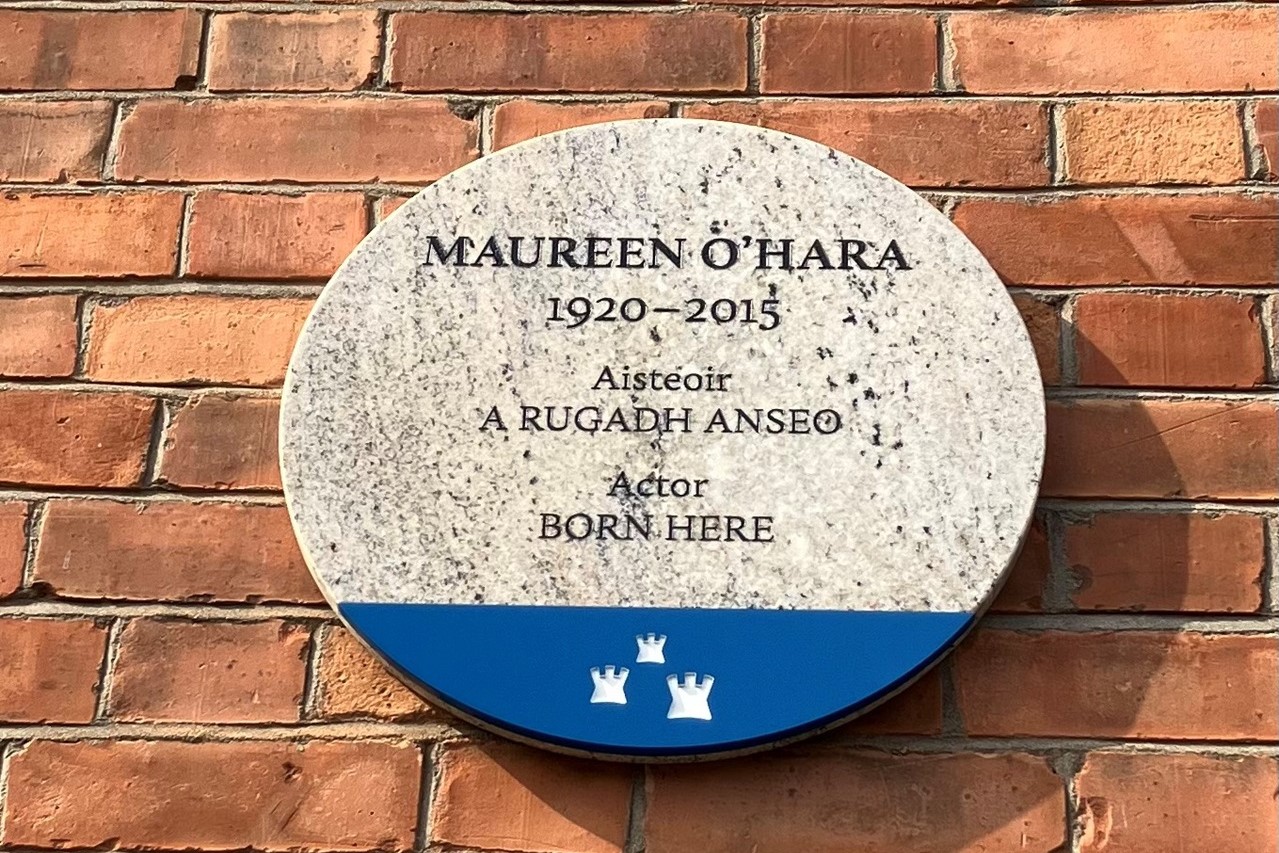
[917,502]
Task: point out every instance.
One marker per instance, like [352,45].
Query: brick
[253,236]
[171,551]
[1167,561]
[516,121]
[871,802]
[38,336]
[13,545]
[1161,449]
[1169,340]
[1266,123]
[1153,142]
[108,235]
[218,441]
[297,52]
[263,795]
[1227,239]
[384,207]
[53,141]
[1044,327]
[914,711]
[233,340]
[877,3]
[293,139]
[69,438]
[1126,52]
[209,672]
[1127,684]
[547,52]
[1137,803]
[517,799]
[355,684]
[835,53]
[49,670]
[1027,582]
[989,143]
[98,50]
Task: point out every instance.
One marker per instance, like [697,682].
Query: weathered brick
[1166,561]
[1119,51]
[353,683]
[38,336]
[1024,590]
[1127,684]
[989,143]
[549,52]
[915,711]
[264,795]
[836,53]
[218,441]
[1044,327]
[293,139]
[1162,449]
[877,3]
[171,550]
[70,438]
[1228,239]
[1266,124]
[234,340]
[1153,142]
[387,205]
[515,121]
[1173,341]
[832,803]
[13,544]
[53,140]
[1141,803]
[248,236]
[46,49]
[828,801]
[513,798]
[294,52]
[209,672]
[106,235]
[49,670]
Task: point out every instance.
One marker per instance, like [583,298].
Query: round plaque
[662,438]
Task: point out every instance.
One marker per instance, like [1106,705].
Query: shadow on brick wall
[990,750]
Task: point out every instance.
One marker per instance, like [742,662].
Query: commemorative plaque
[662,438]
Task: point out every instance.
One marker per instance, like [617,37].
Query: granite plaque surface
[662,438]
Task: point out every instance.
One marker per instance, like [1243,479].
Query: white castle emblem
[610,687]
[689,700]
[650,648]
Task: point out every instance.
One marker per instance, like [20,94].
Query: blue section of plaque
[777,673]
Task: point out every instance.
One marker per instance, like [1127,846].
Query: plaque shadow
[857,787]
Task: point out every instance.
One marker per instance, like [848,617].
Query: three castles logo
[690,699]
[704,439]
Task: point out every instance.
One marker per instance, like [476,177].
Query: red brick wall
[177,183]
